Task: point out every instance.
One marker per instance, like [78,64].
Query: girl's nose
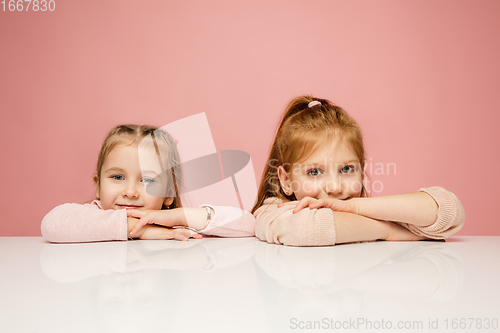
[130,191]
[333,186]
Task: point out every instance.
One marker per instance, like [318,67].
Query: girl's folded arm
[320,227]
[72,222]
[222,221]
[229,222]
[306,228]
[416,208]
[432,212]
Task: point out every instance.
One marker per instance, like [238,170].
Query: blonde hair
[161,140]
[301,132]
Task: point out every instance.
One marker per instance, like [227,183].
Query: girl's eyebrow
[308,164]
[114,169]
[156,173]
[117,169]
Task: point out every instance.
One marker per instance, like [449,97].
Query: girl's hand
[346,206]
[158,232]
[167,218]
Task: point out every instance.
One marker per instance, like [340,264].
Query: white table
[244,285]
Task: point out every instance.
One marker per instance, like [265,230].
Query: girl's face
[331,172]
[123,183]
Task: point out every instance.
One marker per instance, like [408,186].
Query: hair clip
[175,140]
[313,103]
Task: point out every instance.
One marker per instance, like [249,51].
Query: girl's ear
[96,183]
[284,180]
[168,201]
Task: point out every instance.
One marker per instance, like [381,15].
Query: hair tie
[313,103]
[175,140]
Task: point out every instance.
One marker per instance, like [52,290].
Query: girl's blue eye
[147,180]
[117,177]
[347,169]
[314,172]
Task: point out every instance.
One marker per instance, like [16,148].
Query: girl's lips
[129,206]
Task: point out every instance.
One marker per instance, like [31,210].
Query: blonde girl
[313,191]
[138,178]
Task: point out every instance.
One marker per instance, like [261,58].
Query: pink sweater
[72,222]
[316,227]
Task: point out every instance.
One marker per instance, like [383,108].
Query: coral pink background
[422,78]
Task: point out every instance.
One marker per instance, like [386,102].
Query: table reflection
[144,283]
[67,263]
[332,282]
[138,283]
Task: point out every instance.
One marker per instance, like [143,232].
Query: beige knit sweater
[316,227]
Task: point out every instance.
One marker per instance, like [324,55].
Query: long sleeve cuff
[230,222]
[71,222]
[450,215]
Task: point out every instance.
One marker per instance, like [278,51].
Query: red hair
[301,132]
